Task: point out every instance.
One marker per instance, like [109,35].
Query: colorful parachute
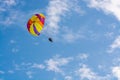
[35,24]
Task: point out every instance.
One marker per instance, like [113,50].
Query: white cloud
[55,10]
[68,78]
[2,72]
[12,41]
[71,37]
[15,50]
[79,10]
[76,7]
[7,4]
[55,64]
[109,35]
[17,67]
[11,19]
[67,70]
[36,43]
[9,15]
[29,74]
[102,67]
[108,6]
[115,45]
[86,73]
[10,2]
[26,64]
[10,71]
[39,66]
[82,56]
[116,61]
[116,72]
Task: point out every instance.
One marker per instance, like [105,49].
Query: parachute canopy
[35,24]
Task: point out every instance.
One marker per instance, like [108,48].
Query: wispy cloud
[29,74]
[114,45]
[108,6]
[7,4]
[109,35]
[10,2]
[15,50]
[68,68]
[9,12]
[68,78]
[116,61]
[116,72]
[82,56]
[55,64]
[11,15]
[71,36]
[86,73]
[10,71]
[39,66]
[12,41]
[11,19]
[2,72]
[56,9]
[28,66]
[17,67]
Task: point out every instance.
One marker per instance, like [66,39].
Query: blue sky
[86,37]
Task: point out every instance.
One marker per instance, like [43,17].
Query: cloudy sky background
[86,37]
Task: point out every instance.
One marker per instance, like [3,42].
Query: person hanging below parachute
[50,39]
[36,24]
